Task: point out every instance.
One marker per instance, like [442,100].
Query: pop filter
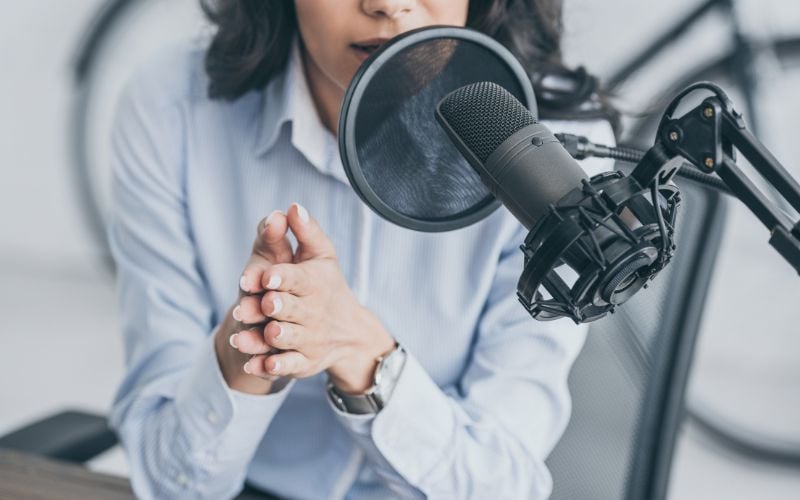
[398,159]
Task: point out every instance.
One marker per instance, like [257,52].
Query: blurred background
[60,345]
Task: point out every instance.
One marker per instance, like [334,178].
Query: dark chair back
[628,383]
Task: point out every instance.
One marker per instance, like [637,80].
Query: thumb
[272,246]
[271,241]
[312,242]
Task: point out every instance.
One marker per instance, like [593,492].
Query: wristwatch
[388,371]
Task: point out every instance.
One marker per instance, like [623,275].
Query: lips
[367,47]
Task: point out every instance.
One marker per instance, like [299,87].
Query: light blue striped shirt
[482,398]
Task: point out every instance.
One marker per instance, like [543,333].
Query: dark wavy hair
[253,39]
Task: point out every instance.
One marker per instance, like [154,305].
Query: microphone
[614,233]
[520,160]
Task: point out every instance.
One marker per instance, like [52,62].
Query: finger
[312,242]
[291,278]
[287,364]
[248,311]
[255,366]
[285,335]
[253,274]
[250,342]
[281,306]
[272,240]
[271,246]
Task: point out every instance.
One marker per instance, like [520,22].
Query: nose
[391,9]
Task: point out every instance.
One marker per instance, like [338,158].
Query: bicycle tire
[113,20]
[84,64]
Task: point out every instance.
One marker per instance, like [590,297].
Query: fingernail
[237,313]
[269,218]
[277,305]
[247,367]
[274,281]
[244,284]
[272,214]
[302,212]
[276,368]
[232,341]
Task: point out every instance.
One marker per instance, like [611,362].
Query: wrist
[374,399]
[355,374]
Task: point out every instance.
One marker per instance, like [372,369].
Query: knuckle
[281,268]
[305,284]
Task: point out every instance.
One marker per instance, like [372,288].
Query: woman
[253,360]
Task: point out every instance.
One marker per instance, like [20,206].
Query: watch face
[388,372]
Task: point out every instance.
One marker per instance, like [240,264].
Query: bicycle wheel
[123,35]
[747,265]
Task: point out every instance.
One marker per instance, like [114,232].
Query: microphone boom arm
[706,137]
[703,140]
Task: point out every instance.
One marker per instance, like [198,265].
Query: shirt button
[213,417]
[183,479]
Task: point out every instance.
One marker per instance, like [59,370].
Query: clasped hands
[296,315]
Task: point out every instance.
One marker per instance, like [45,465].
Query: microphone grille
[484,115]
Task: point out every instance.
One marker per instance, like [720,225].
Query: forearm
[186,431]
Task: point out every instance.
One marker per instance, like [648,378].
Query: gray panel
[616,372]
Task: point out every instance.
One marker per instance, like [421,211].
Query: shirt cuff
[360,427]
[221,423]
[414,430]
[358,423]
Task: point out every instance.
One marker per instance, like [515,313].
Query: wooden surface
[28,477]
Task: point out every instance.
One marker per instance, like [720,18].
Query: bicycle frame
[742,63]
[665,40]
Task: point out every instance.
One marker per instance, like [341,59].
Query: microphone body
[531,170]
[518,159]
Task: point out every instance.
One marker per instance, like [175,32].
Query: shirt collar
[287,99]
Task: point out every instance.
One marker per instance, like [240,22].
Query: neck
[327,96]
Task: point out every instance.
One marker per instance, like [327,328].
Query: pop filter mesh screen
[404,155]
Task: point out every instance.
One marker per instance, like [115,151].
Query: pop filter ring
[355,93]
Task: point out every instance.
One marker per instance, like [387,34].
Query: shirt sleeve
[185,432]
[489,437]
